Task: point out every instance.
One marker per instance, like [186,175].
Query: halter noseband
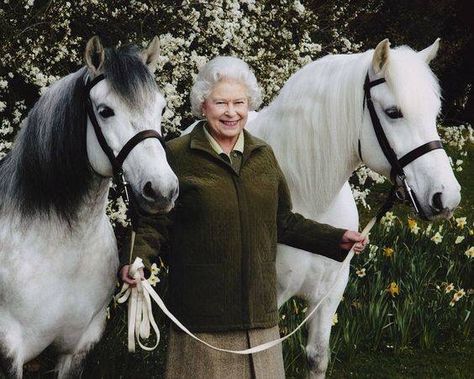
[401,188]
[115,161]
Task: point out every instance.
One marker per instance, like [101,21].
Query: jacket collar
[199,141]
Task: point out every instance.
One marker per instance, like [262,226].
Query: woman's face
[226,110]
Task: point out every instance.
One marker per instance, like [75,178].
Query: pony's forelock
[129,77]
[418,92]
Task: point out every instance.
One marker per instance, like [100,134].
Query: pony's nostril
[149,192]
[437,202]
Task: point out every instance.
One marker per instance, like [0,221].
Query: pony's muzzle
[443,205]
[158,200]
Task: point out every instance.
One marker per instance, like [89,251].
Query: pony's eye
[394,112]
[106,112]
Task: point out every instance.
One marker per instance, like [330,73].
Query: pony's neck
[313,127]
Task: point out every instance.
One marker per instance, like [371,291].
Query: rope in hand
[140,315]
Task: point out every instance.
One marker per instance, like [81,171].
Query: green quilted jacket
[223,232]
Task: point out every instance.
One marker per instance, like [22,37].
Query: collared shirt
[235,156]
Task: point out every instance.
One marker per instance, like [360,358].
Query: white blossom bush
[46,42]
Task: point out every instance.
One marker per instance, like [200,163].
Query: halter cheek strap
[115,161]
[397,174]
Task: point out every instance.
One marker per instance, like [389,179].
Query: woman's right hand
[124,275]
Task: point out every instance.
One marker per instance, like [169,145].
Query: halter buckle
[403,191]
[124,185]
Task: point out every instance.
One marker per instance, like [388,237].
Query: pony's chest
[70,271]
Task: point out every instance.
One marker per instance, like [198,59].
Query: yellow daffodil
[360,272]
[388,252]
[470,252]
[334,319]
[471,232]
[393,289]
[154,269]
[451,303]
[413,226]
[459,239]
[437,238]
[449,288]
[461,222]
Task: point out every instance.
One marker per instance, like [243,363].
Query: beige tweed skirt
[188,358]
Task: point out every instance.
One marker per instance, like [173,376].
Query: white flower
[437,238]
[153,279]
[361,272]
[298,7]
[470,252]
[459,239]
[460,222]
[449,288]
[154,269]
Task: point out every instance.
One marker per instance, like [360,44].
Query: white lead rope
[140,315]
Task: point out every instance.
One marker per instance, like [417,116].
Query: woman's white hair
[221,68]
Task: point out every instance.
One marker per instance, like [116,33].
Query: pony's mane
[314,157]
[318,159]
[47,171]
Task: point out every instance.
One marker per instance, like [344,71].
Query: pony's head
[56,158]
[407,105]
[125,103]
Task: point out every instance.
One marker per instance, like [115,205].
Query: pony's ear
[94,55]
[151,54]
[381,55]
[430,52]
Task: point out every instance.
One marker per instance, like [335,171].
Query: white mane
[317,159]
[320,112]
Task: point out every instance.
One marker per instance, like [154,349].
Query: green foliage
[434,300]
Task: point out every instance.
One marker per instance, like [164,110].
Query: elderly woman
[233,208]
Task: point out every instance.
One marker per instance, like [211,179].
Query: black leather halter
[115,161]
[401,188]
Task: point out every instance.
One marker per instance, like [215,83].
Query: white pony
[57,247]
[315,126]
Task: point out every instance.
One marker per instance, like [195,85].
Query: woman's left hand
[353,239]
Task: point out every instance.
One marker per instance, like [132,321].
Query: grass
[453,361]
